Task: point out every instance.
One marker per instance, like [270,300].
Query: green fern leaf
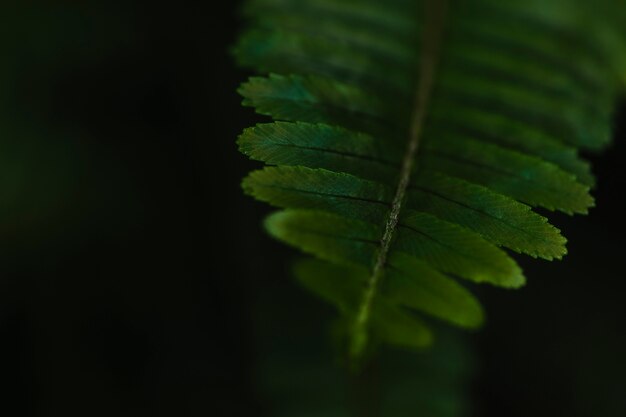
[412,139]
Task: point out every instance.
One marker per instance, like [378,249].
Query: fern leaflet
[411,141]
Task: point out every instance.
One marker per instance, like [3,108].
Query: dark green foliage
[411,141]
[297,377]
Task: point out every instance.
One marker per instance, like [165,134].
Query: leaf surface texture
[411,141]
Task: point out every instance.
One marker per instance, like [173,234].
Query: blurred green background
[136,280]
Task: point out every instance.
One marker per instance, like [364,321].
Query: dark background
[135,273]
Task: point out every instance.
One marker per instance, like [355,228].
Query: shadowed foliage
[412,140]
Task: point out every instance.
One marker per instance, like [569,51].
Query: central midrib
[435,13]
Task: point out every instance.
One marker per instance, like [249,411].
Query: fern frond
[411,141]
